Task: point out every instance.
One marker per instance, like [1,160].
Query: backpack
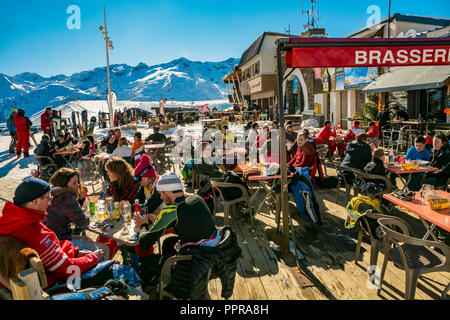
[360,206]
[305,198]
[228,193]
[187,170]
[233,193]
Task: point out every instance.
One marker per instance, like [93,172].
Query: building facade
[346,95]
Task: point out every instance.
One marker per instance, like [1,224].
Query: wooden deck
[328,253]
[328,260]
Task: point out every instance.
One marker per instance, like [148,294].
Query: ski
[80,127]
[74,125]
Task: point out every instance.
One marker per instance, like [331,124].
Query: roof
[441,32]
[229,77]
[255,47]
[410,78]
[440,22]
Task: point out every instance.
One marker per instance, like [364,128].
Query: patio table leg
[262,202]
[430,230]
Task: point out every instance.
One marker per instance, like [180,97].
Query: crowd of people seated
[49,211]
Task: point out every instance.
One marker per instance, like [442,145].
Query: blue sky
[34,36]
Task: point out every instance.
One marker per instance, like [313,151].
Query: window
[257,67]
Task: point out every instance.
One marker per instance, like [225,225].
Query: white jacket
[122,152]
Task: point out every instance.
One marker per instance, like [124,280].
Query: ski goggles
[141,174]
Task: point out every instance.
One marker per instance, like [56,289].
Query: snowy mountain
[178,80]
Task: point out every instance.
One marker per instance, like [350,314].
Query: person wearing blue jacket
[418,151]
[12,131]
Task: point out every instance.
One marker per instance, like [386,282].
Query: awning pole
[236,89]
[283,162]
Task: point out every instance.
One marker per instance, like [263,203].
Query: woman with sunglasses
[65,207]
[122,187]
[122,184]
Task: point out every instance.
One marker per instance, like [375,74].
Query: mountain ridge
[180,79]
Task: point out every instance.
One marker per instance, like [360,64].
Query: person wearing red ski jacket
[46,121]
[305,155]
[22,220]
[23,125]
[324,136]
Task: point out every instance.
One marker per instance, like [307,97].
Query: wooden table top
[244,169]
[411,122]
[211,120]
[399,170]
[62,153]
[114,233]
[154,146]
[440,218]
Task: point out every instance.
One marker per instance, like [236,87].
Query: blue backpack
[305,198]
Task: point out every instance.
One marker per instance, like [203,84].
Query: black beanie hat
[30,189]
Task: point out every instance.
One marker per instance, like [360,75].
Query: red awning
[324,52]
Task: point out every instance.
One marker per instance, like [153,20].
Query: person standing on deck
[46,122]
[12,131]
[23,125]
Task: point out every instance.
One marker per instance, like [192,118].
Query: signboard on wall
[340,79]
[317,73]
[357,77]
[326,81]
[314,53]
[255,85]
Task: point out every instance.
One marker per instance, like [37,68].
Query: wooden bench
[27,284]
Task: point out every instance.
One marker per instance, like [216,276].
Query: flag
[161,106]
[204,108]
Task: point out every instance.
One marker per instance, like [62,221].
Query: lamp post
[109,46]
[389,21]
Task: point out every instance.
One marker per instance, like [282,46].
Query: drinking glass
[125,208]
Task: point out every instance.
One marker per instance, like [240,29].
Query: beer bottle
[137,208]
[92,208]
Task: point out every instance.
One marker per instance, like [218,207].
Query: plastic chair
[322,151]
[45,162]
[166,275]
[366,230]
[361,179]
[230,205]
[386,135]
[166,271]
[348,186]
[415,256]
[46,167]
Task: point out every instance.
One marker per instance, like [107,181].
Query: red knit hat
[144,169]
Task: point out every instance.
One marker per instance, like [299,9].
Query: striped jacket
[137,150]
[58,257]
